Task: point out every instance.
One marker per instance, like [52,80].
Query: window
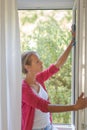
[47,32]
[44,32]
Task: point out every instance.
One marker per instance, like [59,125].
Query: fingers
[85,102]
[73,27]
[82,94]
[81,102]
[73,30]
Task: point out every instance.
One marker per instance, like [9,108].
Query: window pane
[48,32]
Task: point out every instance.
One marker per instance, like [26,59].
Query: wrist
[75,107]
[73,42]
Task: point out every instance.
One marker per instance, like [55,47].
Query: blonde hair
[26,59]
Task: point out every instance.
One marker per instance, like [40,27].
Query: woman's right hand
[73,32]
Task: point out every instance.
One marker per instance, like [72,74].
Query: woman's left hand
[81,102]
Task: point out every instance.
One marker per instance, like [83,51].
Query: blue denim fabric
[48,127]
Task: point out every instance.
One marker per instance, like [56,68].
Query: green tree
[51,36]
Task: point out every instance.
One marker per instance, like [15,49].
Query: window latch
[84,126]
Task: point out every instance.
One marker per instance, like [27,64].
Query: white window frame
[51,4]
[45,4]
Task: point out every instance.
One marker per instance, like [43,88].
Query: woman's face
[36,64]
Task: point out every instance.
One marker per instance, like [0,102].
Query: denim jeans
[48,127]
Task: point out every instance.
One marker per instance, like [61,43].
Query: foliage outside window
[48,32]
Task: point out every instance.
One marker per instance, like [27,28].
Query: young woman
[36,107]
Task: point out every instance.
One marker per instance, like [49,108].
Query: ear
[27,67]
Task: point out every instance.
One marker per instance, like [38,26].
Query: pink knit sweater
[30,100]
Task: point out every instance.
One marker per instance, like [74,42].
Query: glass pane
[48,32]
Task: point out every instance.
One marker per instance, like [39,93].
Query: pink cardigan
[30,101]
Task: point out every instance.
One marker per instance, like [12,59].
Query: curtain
[81,60]
[10,67]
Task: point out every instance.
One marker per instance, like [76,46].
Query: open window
[41,7]
[80,60]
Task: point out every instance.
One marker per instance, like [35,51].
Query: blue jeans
[48,127]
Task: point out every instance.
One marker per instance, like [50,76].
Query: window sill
[64,127]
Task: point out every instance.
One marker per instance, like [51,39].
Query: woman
[36,107]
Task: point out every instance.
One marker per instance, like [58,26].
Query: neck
[30,79]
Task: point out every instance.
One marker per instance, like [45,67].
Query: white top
[41,119]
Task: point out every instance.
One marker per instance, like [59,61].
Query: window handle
[84,126]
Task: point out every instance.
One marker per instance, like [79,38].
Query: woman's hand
[81,102]
[73,32]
